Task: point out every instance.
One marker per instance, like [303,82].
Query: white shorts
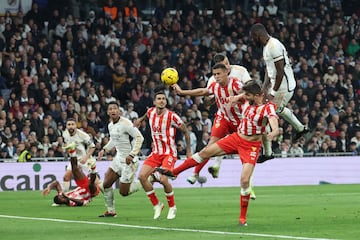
[126,172]
[84,167]
[281,99]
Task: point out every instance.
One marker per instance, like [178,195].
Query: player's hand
[46,191]
[232,100]
[83,160]
[129,159]
[272,135]
[137,123]
[101,154]
[177,88]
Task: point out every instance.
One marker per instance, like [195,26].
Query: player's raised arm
[193,92]
[138,121]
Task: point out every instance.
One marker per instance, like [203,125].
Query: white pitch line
[164,229]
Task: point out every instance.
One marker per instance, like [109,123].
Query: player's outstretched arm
[193,92]
[138,121]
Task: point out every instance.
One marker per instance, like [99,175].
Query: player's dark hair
[111,103]
[219,66]
[258,29]
[158,93]
[70,120]
[58,200]
[252,87]
[159,90]
[219,57]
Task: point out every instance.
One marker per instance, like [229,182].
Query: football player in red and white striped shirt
[246,141]
[80,196]
[163,125]
[227,118]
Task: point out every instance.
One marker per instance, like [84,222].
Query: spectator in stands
[110,10]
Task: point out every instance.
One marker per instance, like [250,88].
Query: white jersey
[274,51]
[236,71]
[120,133]
[82,140]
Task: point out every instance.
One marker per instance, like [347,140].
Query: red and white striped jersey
[80,193]
[163,131]
[230,113]
[255,118]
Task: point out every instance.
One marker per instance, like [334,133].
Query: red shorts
[248,151]
[83,183]
[160,160]
[222,127]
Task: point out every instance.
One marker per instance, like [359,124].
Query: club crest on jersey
[156,129]
[217,124]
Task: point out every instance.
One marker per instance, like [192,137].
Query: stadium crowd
[61,62]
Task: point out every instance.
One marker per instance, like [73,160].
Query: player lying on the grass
[246,141]
[88,187]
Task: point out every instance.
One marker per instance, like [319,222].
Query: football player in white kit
[85,147]
[125,162]
[279,79]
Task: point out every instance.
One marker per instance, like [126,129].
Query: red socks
[153,198]
[170,199]
[244,202]
[188,163]
[200,166]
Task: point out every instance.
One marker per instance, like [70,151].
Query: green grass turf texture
[323,211]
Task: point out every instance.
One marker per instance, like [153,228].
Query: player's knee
[124,193]
[142,177]
[280,110]
[245,182]
[106,185]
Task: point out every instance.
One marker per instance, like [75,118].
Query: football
[169,76]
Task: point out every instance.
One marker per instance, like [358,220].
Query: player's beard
[71,131]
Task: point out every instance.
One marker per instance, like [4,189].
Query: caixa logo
[28,180]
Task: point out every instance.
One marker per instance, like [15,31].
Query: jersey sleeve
[176,120]
[136,135]
[276,51]
[87,139]
[111,142]
[271,110]
[211,88]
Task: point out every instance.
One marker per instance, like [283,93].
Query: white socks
[289,116]
[134,187]
[109,199]
[217,161]
[197,158]
[267,146]
[65,186]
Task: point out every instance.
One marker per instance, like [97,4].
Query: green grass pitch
[291,212]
